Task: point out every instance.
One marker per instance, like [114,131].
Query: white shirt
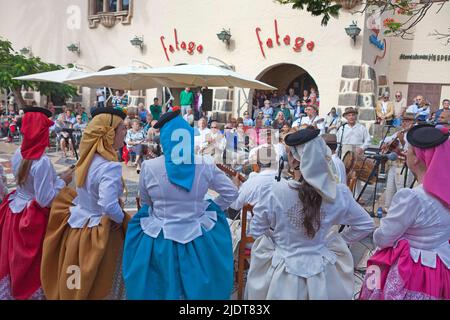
[250,190]
[339,169]
[280,211]
[189,118]
[422,220]
[99,196]
[200,140]
[181,215]
[42,184]
[358,135]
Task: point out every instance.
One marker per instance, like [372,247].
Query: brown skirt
[81,264]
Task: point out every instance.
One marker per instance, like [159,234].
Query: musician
[87,227]
[332,121]
[397,170]
[178,246]
[337,164]
[294,256]
[200,140]
[413,256]
[352,135]
[311,119]
[215,142]
[385,110]
[252,190]
[24,212]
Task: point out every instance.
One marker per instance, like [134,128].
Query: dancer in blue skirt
[178,246]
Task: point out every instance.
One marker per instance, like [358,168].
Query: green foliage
[14,64]
[326,9]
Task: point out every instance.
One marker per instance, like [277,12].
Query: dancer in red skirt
[24,212]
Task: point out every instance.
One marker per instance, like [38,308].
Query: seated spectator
[78,127]
[280,121]
[189,117]
[135,139]
[283,109]
[248,122]
[148,121]
[62,136]
[267,120]
[142,113]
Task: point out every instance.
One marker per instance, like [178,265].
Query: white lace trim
[153,225]
[6,293]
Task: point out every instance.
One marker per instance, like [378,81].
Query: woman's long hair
[311,202]
[24,170]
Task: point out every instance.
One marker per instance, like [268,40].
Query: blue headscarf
[177,138]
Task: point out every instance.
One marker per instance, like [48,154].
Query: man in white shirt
[200,141]
[352,135]
[337,164]
[312,119]
[189,117]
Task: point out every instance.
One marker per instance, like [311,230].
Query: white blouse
[422,220]
[278,215]
[99,196]
[178,213]
[42,184]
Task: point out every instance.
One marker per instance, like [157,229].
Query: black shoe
[138,171]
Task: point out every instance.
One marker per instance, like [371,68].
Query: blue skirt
[162,269]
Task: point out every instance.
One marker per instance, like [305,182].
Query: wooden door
[430,92]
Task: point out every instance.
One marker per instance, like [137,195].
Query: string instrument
[394,144]
[231,172]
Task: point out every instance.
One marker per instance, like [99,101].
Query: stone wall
[358,89]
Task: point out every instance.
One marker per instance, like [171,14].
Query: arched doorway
[284,76]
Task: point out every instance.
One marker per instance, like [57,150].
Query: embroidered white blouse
[42,184]
[422,220]
[278,215]
[178,213]
[99,196]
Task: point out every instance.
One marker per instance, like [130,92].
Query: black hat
[109,110]
[426,136]
[47,112]
[300,137]
[166,117]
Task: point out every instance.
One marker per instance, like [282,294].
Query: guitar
[231,172]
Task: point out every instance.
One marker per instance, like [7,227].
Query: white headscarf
[315,166]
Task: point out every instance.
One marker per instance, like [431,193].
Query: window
[109,12]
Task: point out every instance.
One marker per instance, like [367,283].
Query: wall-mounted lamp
[138,42]
[74,48]
[25,50]
[225,36]
[353,31]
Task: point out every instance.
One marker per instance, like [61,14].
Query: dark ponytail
[311,202]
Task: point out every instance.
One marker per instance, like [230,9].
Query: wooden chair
[243,254]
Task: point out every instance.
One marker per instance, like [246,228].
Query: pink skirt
[392,274]
[21,239]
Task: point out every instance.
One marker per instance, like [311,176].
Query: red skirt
[21,238]
[393,275]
